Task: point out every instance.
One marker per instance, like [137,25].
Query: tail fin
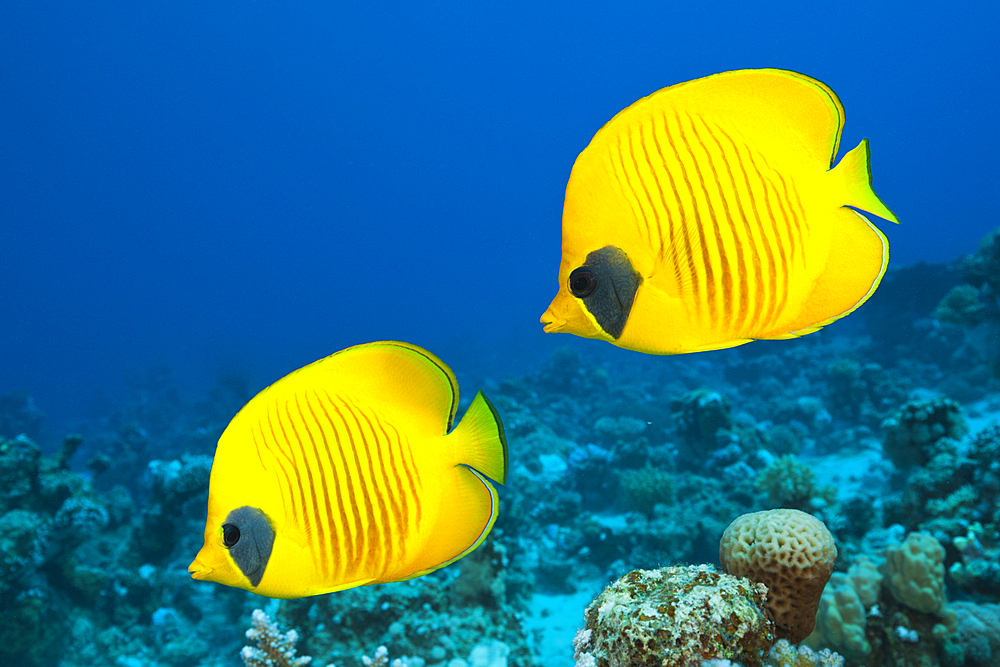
[855,174]
[480,440]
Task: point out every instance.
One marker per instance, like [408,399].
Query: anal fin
[859,254]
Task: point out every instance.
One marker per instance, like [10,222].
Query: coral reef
[979,633]
[955,498]
[618,464]
[982,268]
[911,434]
[46,512]
[19,415]
[893,610]
[445,614]
[701,415]
[961,306]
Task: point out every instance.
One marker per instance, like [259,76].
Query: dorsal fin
[771,108]
[400,380]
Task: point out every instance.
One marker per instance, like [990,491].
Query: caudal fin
[479,440]
[855,174]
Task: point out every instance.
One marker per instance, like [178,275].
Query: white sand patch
[863,473]
[982,413]
[557,618]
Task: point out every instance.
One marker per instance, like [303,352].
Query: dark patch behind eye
[252,550]
[616,284]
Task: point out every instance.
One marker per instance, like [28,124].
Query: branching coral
[273,649]
[786,654]
[790,483]
[643,488]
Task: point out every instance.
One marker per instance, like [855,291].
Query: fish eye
[582,282]
[230,535]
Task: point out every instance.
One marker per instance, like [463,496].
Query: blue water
[243,187]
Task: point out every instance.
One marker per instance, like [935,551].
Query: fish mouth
[199,570]
[552,323]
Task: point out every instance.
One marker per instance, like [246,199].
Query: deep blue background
[247,186]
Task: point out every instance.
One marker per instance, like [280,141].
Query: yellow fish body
[343,473]
[709,214]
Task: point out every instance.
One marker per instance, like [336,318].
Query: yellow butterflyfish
[709,214]
[344,473]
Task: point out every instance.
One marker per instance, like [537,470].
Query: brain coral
[676,616]
[790,552]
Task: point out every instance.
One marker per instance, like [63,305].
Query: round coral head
[790,552]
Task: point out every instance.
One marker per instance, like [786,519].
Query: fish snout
[552,322]
[198,570]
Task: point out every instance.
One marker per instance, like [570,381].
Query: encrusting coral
[676,616]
